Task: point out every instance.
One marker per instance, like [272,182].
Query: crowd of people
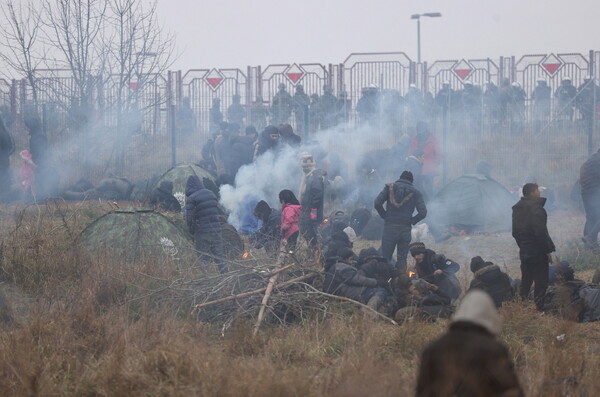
[503,105]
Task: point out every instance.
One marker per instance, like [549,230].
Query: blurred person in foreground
[589,177]
[468,360]
[530,230]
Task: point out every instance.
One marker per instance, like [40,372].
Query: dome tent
[133,234]
[472,203]
[179,175]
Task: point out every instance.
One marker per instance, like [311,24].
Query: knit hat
[478,308]
[417,248]
[477,263]
[307,160]
[350,233]
[407,176]
[368,254]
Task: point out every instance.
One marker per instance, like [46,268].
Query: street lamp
[418,18]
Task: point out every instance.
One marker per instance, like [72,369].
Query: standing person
[402,199]
[27,174]
[529,228]
[589,177]
[203,221]
[290,214]
[7,147]
[236,112]
[281,106]
[215,117]
[312,197]
[468,360]
[425,146]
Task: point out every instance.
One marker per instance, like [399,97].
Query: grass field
[75,331]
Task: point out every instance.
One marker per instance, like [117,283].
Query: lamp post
[418,18]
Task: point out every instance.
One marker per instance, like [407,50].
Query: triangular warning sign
[214,78]
[294,73]
[552,63]
[463,69]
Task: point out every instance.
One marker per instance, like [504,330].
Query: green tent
[179,175]
[473,203]
[134,234]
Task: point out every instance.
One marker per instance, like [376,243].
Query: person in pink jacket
[26,172]
[290,212]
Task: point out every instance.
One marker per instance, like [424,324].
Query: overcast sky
[237,33]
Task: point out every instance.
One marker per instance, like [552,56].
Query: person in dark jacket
[269,235]
[468,360]
[589,177]
[436,269]
[203,221]
[402,199]
[7,147]
[343,279]
[530,231]
[312,197]
[489,278]
[163,198]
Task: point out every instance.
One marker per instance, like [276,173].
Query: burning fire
[245,255]
[411,274]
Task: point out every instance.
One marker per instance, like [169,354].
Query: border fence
[158,101]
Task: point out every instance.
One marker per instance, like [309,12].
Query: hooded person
[312,197]
[163,198]
[290,214]
[489,278]
[468,360]
[402,200]
[204,223]
[426,147]
[343,279]
[268,237]
[436,269]
[269,139]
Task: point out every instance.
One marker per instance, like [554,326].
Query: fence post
[173,137]
[13,97]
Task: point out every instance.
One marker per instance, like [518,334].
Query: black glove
[382,283]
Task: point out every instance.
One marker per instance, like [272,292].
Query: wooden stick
[257,291]
[263,305]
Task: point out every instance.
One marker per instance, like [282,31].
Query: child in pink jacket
[290,212]
[26,172]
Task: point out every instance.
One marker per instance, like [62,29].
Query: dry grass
[79,329]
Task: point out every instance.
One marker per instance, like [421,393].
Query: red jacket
[432,155]
[289,219]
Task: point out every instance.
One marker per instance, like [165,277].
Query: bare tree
[74,29]
[20,33]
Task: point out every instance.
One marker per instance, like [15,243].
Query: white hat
[350,233]
[478,308]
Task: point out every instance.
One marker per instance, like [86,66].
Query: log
[263,304]
[257,291]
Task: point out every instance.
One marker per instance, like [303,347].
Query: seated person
[563,298]
[269,235]
[372,264]
[436,270]
[162,197]
[418,299]
[343,279]
[489,278]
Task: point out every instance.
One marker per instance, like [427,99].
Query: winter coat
[269,234]
[290,214]
[447,282]
[431,154]
[201,208]
[589,174]
[467,361]
[242,149]
[493,281]
[163,198]
[342,279]
[312,195]
[402,199]
[529,227]
[26,176]
[563,299]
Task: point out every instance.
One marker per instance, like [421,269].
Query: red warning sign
[294,73]
[463,69]
[214,78]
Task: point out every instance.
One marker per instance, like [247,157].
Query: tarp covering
[472,203]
